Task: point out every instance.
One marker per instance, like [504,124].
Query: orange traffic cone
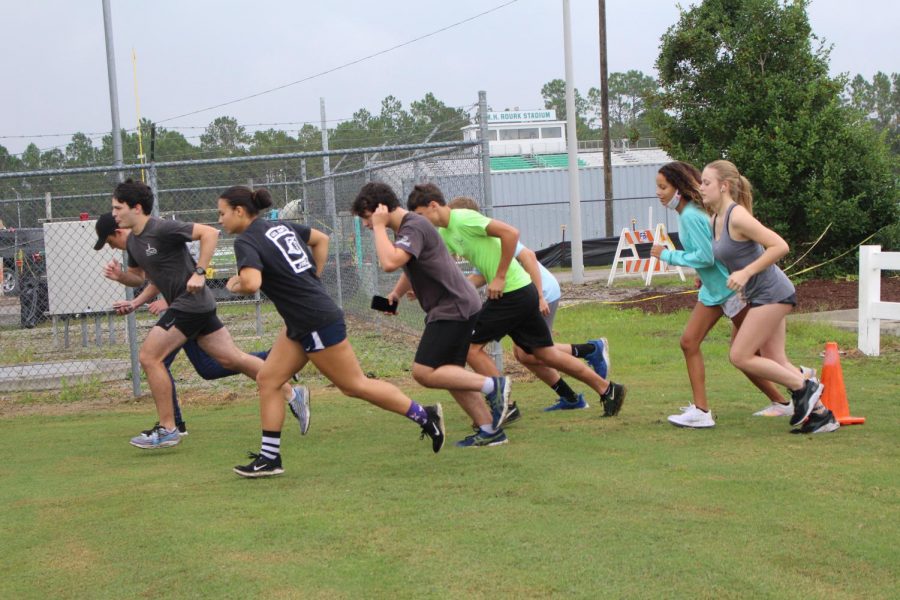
[835,395]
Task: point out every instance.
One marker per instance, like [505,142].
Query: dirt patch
[815,295]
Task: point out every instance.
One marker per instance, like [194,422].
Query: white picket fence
[872,261]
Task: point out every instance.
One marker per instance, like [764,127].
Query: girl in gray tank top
[771,286]
[750,250]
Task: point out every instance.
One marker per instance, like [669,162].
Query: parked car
[21,249]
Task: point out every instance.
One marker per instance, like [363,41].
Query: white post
[869,340]
[577,252]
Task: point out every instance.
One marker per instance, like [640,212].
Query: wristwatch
[200,270]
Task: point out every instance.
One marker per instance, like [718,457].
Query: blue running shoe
[299,405]
[482,439]
[158,437]
[599,358]
[563,404]
[498,400]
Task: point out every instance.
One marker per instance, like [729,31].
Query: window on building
[551,132]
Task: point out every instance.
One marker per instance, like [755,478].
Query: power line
[343,66]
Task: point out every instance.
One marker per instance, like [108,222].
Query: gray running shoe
[159,437]
[299,405]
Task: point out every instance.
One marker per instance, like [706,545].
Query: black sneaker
[182,428]
[613,399]
[260,467]
[805,402]
[434,427]
[512,415]
[821,420]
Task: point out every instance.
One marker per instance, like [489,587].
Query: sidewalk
[845,319]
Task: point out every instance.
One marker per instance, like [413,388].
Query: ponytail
[744,195]
[738,185]
[252,201]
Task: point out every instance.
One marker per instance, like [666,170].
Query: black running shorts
[190,324]
[445,343]
[516,314]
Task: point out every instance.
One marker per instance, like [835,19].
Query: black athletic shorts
[190,324]
[445,343]
[323,337]
[516,314]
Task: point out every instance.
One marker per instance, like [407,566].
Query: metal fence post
[494,348]
[330,209]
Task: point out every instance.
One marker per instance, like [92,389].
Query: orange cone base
[852,420]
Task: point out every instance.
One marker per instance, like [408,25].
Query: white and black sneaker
[821,420]
[434,427]
[805,401]
[260,467]
[613,399]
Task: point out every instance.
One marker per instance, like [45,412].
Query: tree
[225,137]
[627,104]
[879,101]
[81,151]
[554,95]
[740,80]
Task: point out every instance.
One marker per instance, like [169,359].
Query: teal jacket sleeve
[696,238]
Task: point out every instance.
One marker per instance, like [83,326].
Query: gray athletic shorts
[548,319]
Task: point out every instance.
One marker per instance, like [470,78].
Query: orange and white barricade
[630,262]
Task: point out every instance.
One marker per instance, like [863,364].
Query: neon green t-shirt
[466,236]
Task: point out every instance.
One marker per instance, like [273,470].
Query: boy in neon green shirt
[513,304]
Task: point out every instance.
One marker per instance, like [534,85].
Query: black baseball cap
[106,226]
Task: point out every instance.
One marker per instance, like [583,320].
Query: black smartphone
[383,304]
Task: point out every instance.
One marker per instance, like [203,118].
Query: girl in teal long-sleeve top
[677,187]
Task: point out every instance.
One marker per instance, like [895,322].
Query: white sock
[488,386]
[488,429]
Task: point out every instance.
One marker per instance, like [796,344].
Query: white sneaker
[776,409]
[686,408]
[694,418]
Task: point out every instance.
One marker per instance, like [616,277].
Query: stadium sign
[509,116]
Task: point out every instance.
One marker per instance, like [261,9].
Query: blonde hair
[738,185]
[464,202]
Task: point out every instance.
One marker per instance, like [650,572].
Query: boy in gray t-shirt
[451,305]
[157,250]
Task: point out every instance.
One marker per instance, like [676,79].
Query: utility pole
[604,123]
[113,88]
[572,148]
[131,323]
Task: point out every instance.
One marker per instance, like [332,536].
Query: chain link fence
[56,317]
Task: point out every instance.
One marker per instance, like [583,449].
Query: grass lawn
[575,506]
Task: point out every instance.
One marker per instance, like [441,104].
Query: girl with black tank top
[284,260]
[750,250]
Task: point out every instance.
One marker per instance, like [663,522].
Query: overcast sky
[193,54]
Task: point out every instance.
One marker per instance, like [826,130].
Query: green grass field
[575,506]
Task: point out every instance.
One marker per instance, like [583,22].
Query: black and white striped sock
[271,444]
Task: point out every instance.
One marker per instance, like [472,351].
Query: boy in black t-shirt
[157,251]
[451,305]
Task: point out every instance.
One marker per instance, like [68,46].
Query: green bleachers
[538,161]
[509,163]
[556,160]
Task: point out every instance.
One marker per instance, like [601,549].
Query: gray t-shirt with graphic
[161,252]
[443,291]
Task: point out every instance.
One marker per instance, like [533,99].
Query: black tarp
[597,252]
